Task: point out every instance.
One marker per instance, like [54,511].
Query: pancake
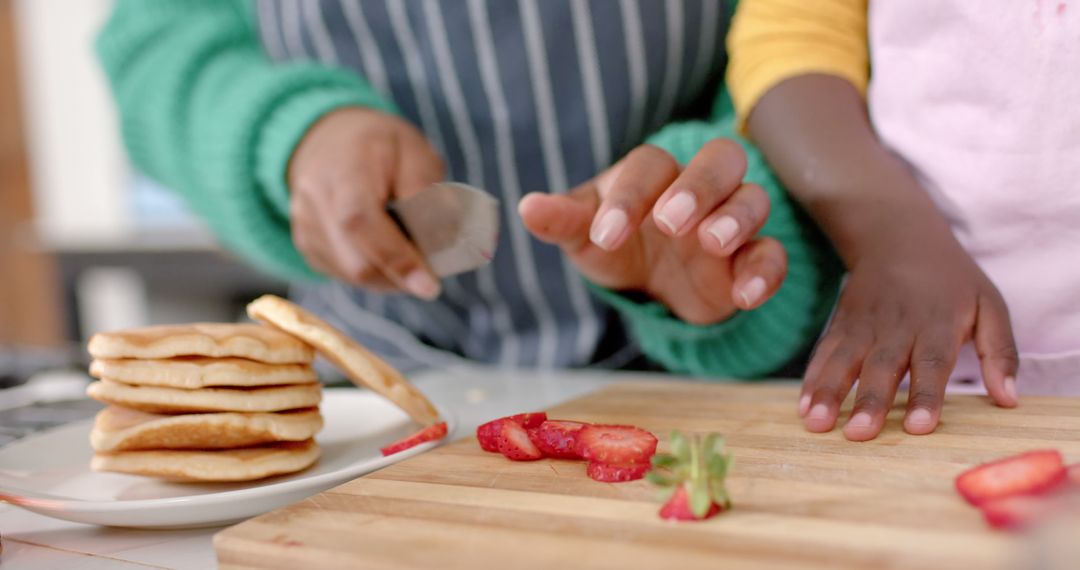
[200,372]
[156,399]
[123,429]
[245,464]
[217,340]
[359,364]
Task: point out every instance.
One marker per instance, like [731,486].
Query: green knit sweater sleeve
[751,344]
[206,113]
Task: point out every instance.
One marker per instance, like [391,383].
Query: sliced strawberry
[488,435]
[1025,474]
[615,444]
[530,420]
[514,442]
[677,508]
[620,473]
[1074,474]
[430,433]
[1019,512]
[557,438]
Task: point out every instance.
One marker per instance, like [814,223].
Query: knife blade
[454,226]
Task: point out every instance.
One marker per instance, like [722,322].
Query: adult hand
[685,236]
[345,170]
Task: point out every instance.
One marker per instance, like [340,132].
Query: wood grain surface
[801,500]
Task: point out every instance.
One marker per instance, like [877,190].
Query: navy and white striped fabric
[517,96]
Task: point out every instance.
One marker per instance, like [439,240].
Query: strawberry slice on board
[557,438]
[488,434]
[1029,473]
[430,433]
[529,420]
[614,444]
[617,473]
[514,442]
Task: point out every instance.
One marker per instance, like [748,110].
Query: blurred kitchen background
[86,244]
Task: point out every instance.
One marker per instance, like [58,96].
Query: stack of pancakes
[204,402]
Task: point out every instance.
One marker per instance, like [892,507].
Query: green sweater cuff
[288,124]
[751,344]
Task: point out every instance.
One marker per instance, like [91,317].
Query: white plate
[49,473]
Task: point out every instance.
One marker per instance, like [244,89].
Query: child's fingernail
[606,231]
[421,284]
[677,211]
[1010,388]
[819,412]
[860,420]
[724,230]
[919,418]
[804,405]
[752,291]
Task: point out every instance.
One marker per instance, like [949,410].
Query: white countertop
[35,542]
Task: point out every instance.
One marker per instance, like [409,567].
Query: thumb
[997,350]
[418,165]
[562,220]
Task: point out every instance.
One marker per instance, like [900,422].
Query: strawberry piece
[615,444]
[618,473]
[1074,474]
[557,438]
[695,475]
[530,420]
[1019,512]
[488,434]
[430,433]
[1029,473]
[514,442]
[677,508]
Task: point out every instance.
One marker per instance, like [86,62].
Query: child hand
[695,253]
[342,174]
[907,310]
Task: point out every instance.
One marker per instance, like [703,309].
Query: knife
[455,226]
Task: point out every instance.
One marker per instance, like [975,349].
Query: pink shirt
[983,100]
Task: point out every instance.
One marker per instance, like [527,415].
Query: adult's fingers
[418,165]
[309,235]
[758,271]
[562,220]
[643,176]
[366,242]
[932,361]
[736,221]
[386,249]
[714,173]
[313,238]
[881,373]
[997,350]
[838,373]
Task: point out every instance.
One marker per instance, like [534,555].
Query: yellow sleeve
[774,40]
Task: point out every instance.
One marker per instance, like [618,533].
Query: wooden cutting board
[801,500]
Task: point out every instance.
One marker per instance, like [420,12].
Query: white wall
[79,173]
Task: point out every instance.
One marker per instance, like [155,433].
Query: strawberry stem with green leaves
[693,473]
